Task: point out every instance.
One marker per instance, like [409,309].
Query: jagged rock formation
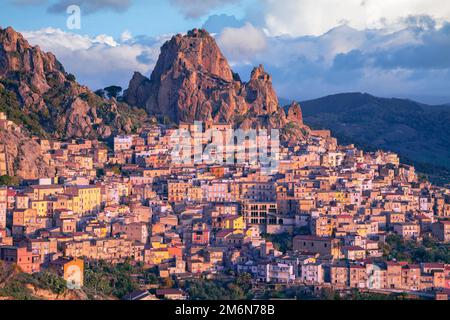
[192,80]
[22,156]
[50,100]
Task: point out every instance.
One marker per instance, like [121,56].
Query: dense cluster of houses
[336,204]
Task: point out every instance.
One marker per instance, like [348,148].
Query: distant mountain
[36,92]
[420,133]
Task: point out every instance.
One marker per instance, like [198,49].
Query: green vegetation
[202,289]
[49,281]
[45,120]
[70,77]
[11,107]
[104,278]
[14,284]
[281,242]
[429,250]
[113,91]
[9,181]
[355,294]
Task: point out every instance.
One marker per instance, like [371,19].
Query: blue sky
[312,48]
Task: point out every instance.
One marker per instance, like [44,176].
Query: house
[441,230]
[323,246]
[312,273]
[171,294]
[141,295]
[407,230]
[276,273]
[353,252]
[20,256]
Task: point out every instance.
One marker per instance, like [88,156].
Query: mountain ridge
[52,103]
[418,132]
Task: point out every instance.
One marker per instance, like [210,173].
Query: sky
[312,48]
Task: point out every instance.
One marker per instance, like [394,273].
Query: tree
[244,280]
[100,93]
[70,77]
[113,91]
[9,181]
[50,281]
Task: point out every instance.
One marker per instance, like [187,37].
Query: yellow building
[67,202]
[42,207]
[156,256]
[89,198]
[234,223]
[40,192]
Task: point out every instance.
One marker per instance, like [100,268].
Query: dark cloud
[216,23]
[355,59]
[90,6]
[199,8]
[412,62]
[432,53]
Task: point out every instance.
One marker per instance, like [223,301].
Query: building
[72,270]
[276,273]
[312,273]
[123,143]
[314,244]
[3,206]
[137,231]
[407,230]
[441,230]
[19,256]
[263,215]
[89,198]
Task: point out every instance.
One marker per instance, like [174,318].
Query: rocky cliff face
[192,81]
[52,98]
[23,156]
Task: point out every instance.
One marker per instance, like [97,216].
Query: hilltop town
[336,206]
[91,193]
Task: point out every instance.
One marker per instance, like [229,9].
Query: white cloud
[242,43]
[315,17]
[126,36]
[97,61]
[413,61]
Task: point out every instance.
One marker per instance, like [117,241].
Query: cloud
[315,17]
[411,61]
[199,8]
[91,6]
[216,23]
[242,43]
[98,61]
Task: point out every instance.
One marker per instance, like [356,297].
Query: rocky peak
[197,51]
[259,92]
[137,92]
[192,81]
[49,99]
[295,113]
[259,74]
